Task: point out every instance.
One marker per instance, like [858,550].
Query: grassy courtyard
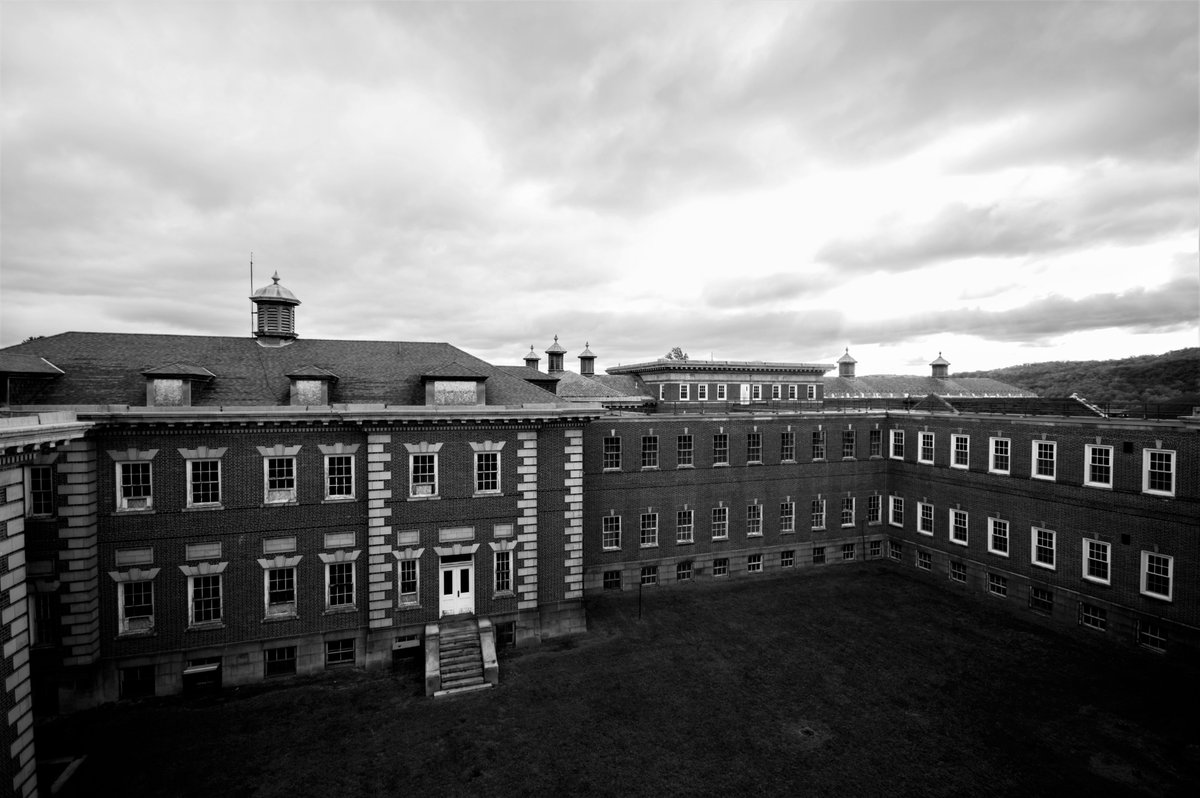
[854,680]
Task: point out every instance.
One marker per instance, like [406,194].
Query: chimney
[846,365]
[556,352]
[587,361]
[941,368]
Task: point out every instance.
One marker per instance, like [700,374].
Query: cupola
[846,365]
[276,311]
[532,359]
[587,361]
[941,367]
[556,352]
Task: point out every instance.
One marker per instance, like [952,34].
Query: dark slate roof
[889,386]
[22,364]
[577,386]
[526,373]
[313,373]
[626,384]
[106,368]
[180,370]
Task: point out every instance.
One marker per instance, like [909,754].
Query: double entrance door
[457,577]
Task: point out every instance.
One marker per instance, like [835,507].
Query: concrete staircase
[460,656]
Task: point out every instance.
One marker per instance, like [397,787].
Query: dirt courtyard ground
[851,681]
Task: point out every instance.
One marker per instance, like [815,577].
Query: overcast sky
[1000,182]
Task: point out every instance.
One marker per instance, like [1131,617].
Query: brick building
[227,509]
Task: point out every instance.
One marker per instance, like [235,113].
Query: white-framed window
[811,392]
[1093,617]
[849,444]
[1098,466]
[41,491]
[776,392]
[684,571]
[279,480]
[1097,558]
[925,448]
[957,571]
[897,448]
[999,455]
[1042,547]
[895,550]
[925,521]
[818,555]
[339,652]
[875,443]
[793,393]
[847,511]
[423,474]
[721,392]
[720,523]
[685,525]
[685,392]
[924,560]
[1151,634]
[818,514]
[662,392]
[721,448]
[896,511]
[409,575]
[1041,600]
[610,532]
[280,591]
[649,451]
[612,453]
[754,520]
[135,606]
[997,585]
[787,558]
[787,446]
[684,452]
[998,537]
[958,527]
[1158,472]
[1045,459]
[874,509]
[818,444]
[649,575]
[649,529]
[204,599]
[135,485]
[960,451]
[848,550]
[702,392]
[487,472]
[787,517]
[754,563]
[339,585]
[720,566]
[754,447]
[502,570]
[204,483]
[1157,575]
[339,476]
[756,392]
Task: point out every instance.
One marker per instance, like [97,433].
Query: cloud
[1173,306]
[1097,208]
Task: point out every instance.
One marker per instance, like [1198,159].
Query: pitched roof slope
[883,386]
[107,368]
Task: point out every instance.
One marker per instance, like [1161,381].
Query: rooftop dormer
[276,312]
[310,386]
[171,385]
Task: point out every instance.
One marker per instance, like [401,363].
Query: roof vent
[276,314]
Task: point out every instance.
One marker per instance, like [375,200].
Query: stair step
[462,656]
[460,671]
[461,681]
[470,688]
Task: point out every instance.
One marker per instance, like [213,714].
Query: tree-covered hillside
[1147,378]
